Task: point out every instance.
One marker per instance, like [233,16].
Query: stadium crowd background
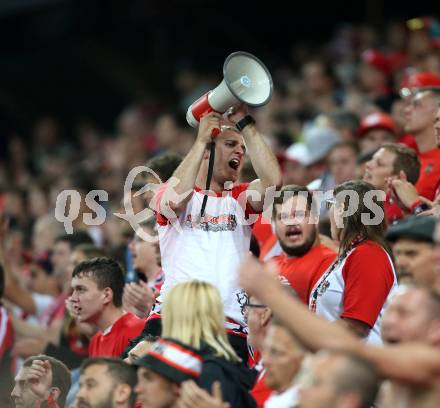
[58,143]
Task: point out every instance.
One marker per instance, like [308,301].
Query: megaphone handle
[209,176]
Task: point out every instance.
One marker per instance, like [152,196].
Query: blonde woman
[193,314]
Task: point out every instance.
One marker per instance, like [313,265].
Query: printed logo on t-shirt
[429,168]
[223,222]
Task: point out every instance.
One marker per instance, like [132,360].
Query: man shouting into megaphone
[210,246]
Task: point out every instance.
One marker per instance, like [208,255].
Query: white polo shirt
[358,288]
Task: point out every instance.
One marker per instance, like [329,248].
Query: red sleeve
[236,191]
[161,220]
[367,283]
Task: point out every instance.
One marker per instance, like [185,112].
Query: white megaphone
[245,80]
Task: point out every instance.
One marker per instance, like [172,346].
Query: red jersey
[429,179]
[304,271]
[113,341]
[261,392]
[262,230]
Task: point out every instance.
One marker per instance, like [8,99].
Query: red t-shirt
[114,340]
[392,212]
[262,229]
[429,179]
[303,272]
[261,392]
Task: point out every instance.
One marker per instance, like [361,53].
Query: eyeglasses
[248,306]
[329,202]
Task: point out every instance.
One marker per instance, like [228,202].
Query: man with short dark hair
[304,259]
[106,382]
[339,380]
[42,379]
[97,286]
[342,161]
[391,161]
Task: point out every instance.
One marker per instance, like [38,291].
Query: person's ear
[122,394]
[265,317]
[108,295]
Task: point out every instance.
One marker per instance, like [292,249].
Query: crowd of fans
[329,302]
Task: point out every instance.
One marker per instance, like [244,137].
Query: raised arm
[184,178]
[411,363]
[262,158]
[314,332]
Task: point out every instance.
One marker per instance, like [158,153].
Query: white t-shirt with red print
[358,288]
[208,249]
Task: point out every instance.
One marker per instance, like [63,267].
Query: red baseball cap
[376,59]
[419,81]
[377,120]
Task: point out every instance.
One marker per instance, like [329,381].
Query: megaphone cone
[245,80]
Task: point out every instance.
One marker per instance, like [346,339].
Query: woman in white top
[358,284]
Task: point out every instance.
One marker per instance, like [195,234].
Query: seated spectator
[412,316]
[421,91]
[413,246]
[391,161]
[106,382]
[140,349]
[97,298]
[342,161]
[140,294]
[200,324]
[346,124]
[70,345]
[282,359]
[259,317]
[161,372]
[374,73]
[41,380]
[339,380]
[375,130]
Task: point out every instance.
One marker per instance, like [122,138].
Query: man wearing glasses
[259,317]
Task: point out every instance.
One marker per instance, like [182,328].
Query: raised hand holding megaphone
[245,80]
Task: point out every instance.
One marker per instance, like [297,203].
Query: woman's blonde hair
[193,313]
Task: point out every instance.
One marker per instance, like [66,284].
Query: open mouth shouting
[234,163]
[293,233]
